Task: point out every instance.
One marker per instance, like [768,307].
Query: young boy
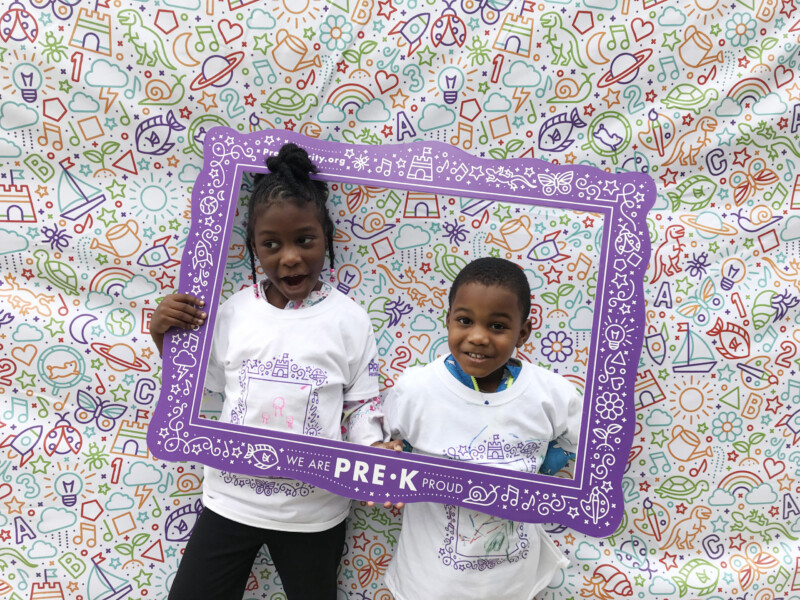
[480,405]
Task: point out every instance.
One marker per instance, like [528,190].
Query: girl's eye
[270,245]
[305,240]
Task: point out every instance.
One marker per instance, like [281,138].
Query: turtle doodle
[58,273]
[687,96]
[288,102]
[679,487]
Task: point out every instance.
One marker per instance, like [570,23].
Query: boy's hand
[397,446]
[176,310]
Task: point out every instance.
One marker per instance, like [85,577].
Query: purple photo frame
[591,502]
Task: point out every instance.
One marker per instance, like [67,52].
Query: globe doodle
[120,322]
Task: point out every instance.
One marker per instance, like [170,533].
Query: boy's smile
[485,325]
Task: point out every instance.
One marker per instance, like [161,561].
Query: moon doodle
[597,46]
[77,327]
[184,50]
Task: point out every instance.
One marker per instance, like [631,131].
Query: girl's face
[289,242]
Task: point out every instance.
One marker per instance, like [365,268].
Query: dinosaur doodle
[24,300]
[689,145]
[418,291]
[686,530]
[562,41]
[147,43]
[667,254]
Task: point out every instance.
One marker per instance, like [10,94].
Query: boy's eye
[463,321]
[498,326]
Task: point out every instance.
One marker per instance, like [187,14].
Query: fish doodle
[153,134]
[263,456]
[554,135]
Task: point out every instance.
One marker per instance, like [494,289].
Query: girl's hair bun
[292,163]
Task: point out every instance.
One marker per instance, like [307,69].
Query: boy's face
[485,325]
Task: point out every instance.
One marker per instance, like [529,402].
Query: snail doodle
[106,112]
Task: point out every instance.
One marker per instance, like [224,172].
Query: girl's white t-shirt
[295,371]
[452,552]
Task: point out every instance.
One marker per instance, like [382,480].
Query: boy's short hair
[495,271]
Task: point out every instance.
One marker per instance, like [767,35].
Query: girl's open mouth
[294,280]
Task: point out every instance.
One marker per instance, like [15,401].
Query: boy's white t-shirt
[452,552]
[294,371]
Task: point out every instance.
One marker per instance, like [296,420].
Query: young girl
[294,317]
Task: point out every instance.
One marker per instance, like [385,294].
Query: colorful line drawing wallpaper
[104,107]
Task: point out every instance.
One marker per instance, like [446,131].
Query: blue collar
[510,374]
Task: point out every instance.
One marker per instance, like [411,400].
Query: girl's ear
[524,332]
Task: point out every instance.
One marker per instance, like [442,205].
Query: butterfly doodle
[371,566]
[103,412]
[556,182]
[62,9]
[698,307]
[489,9]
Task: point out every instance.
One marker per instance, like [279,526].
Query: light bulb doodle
[451,81]
[28,80]
[68,486]
[615,335]
[733,272]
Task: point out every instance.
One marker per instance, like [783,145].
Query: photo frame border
[591,502]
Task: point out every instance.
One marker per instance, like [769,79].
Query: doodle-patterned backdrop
[103,110]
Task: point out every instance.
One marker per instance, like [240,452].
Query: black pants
[220,554]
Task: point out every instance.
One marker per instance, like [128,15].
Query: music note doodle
[659,458]
[464,137]
[668,63]
[87,535]
[619,37]
[55,130]
[204,31]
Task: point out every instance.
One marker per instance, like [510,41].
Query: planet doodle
[120,357]
[624,68]
[710,223]
[217,71]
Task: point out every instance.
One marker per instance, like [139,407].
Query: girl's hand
[183,311]
[397,446]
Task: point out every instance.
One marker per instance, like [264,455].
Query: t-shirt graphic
[279,394]
[475,540]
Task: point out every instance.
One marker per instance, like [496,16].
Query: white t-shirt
[295,371]
[451,552]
